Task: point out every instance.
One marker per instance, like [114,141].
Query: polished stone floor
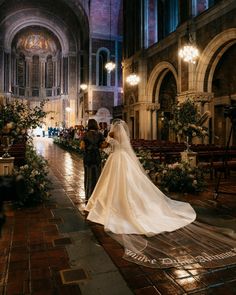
[52,249]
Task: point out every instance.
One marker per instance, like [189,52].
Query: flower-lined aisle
[166,169]
[173,176]
[28,184]
[36,185]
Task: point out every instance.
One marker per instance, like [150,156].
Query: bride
[151,226]
[126,201]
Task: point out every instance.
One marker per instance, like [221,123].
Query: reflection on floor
[52,249]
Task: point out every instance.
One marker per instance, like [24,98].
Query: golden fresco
[36,42]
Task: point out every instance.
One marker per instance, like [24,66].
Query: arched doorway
[224,89]
[162,88]
[166,98]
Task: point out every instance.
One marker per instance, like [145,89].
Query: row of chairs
[211,158]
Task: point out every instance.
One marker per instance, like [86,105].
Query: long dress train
[153,228]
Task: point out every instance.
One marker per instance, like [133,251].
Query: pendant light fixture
[189,52]
[133,79]
[110,65]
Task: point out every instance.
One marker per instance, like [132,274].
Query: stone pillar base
[6,166]
[190,157]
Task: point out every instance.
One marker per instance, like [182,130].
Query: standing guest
[91,143]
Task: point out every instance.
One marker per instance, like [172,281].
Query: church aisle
[51,249]
[141,280]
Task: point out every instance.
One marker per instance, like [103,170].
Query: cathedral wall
[192,80]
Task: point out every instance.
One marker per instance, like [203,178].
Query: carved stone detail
[197,96]
[153,106]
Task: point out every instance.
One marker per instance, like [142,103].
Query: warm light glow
[189,53]
[110,66]
[68,109]
[133,79]
[83,86]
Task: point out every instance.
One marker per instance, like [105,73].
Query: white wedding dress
[155,230]
[126,201]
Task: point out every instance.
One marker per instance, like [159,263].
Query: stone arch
[156,77]
[103,115]
[80,10]
[210,57]
[47,22]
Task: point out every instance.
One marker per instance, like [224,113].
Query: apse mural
[37,41]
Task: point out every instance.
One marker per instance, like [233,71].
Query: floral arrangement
[150,163]
[180,177]
[187,121]
[34,174]
[68,144]
[17,117]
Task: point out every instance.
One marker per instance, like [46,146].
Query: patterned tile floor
[52,249]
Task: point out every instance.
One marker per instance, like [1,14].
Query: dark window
[35,72]
[49,72]
[21,71]
[167,17]
[102,71]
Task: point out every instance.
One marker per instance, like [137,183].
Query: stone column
[152,108]
[65,75]
[6,72]
[13,73]
[54,60]
[72,88]
[1,72]
[42,62]
[28,69]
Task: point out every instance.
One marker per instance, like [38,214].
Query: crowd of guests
[76,132]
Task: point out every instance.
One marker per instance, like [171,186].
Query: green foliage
[17,117]
[34,174]
[187,120]
[149,162]
[70,145]
[144,157]
[180,177]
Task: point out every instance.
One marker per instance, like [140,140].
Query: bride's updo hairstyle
[121,132]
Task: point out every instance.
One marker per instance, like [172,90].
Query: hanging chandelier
[189,53]
[133,79]
[110,65]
